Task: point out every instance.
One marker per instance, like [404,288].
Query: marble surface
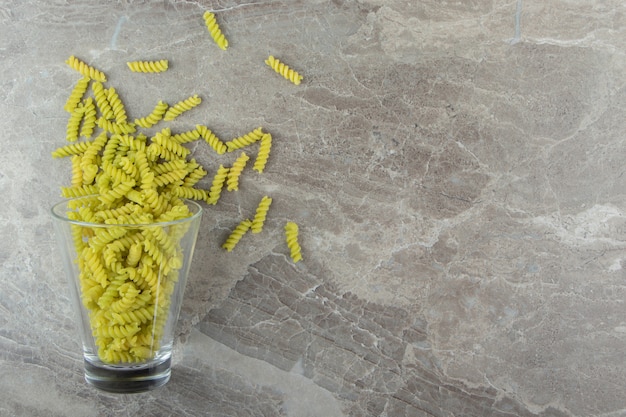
[456,169]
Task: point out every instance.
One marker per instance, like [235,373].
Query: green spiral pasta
[170,177]
[113,127]
[165,141]
[260,215]
[284,70]
[85,69]
[148,66]
[73,123]
[232,182]
[214,30]
[217,185]
[264,152]
[71,149]
[186,137]
[154,117]
[236,235]
[194,176]
[210,138]
[191,193]
[119,112]
[77,94]
[245,140]
[102,101]
[89,118]
[77,172]
[291,237]
[182,106]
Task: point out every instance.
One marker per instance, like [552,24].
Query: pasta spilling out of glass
[121,177]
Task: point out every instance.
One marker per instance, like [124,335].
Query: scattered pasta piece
[85,69]
[218,184]
[73,123]
[236,235]
[119,112]
[232,182]
[180,107]
[186,137]
[214,29]
[291,237]
[210,138]
[260,215]
[245,140]
[77,94]
[154,117]
[89,118]
[148,66]
[102,101]
[264,152]
[284,70]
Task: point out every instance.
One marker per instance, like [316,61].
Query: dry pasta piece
[232,182]
[113,127]
[73,123]
[77,172]
[245,140]
[236,235]
[71,149]
[284,70]
[77,94]
[89,118]
[264,152]
[85,69]
[191,193]
[186,137]
[154,117]
[214,29]
[180,107]
[102,100]
[194,176]
[148,66]
[119,112]
[217,185]
[260,215]
[163,139]
[210,138]
[291,237]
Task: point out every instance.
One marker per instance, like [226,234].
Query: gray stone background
[456,169]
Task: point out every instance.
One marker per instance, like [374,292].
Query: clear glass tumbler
[127,283]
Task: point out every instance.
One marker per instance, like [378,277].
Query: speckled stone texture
[456,170]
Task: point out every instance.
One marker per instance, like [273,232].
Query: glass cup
[127,283]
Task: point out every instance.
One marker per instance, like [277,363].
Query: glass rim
[63,217]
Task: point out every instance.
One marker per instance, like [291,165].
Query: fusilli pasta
[232,182]
[148,66]
[284,70]
[154,117]
[245,140]
[291,237]
[180,107]
[77,94]
[260,215]
[85,69]
[217,185]
[214,29]
[263,154]
[236,235]
[211,139]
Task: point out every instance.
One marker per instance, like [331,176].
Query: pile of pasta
[122,177]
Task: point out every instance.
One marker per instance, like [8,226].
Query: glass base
[128,379]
